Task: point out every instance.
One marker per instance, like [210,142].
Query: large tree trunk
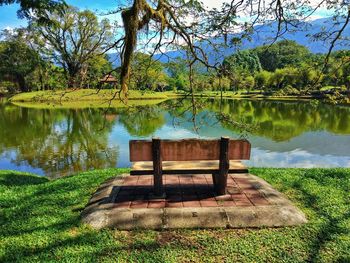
[73,75]
[22,83]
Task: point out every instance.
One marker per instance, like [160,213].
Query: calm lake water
[62,141]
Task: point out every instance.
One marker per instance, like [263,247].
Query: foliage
[178,74]
[142,121]
[41,222]
[242,61]
[147,73]
[73,39]
[17,61]
[281,54]
[38,8]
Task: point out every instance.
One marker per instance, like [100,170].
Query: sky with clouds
[8,16]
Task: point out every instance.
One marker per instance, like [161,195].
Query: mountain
[263,35]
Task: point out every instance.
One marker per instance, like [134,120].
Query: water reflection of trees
[282,121]
[142,121]
[57,141]
[65,141]
[277,120]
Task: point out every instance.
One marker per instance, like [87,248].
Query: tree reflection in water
[276,120]
[61,142]
[142,121]
[57,141]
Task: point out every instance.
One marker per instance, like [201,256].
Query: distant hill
[263,35]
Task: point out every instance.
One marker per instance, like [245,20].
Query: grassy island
[40,221]
[84,98]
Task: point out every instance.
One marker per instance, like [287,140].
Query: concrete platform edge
[100,213]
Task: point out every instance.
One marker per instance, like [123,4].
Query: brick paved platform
[126,202]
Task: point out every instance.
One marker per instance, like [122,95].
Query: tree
[17,61]
[243,61]
[146,73]
[283,53]
[178,73]
[72,39]
[262,79]
[37,8]
[93,70]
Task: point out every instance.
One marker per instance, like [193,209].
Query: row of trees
[71,49]
[286,67]
[67,51]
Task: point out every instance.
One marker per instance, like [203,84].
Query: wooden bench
[189,156]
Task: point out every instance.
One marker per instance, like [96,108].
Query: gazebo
[109,79]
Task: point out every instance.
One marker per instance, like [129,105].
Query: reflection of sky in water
[311,149]
[7,164]
[297,158]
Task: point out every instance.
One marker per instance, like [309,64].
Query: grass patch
[86,98]
[84,95]
[86,104]
[40,221]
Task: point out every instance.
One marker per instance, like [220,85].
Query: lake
[58,142]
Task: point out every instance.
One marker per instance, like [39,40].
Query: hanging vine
[134,19]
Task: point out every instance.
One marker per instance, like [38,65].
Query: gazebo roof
[109,78]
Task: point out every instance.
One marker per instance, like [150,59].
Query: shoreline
[83,98]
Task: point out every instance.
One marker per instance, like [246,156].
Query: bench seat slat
[186,167]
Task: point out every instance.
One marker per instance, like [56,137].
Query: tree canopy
[17,61]
[73,39]
[37,8]
[281,54]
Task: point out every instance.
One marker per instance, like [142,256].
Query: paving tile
[257,199]
[173,204]
[208,203]
[241,200]
[188,191]
[223,198]
[226,203]
[251,191]
[233,190]
[193,203]
[156,204]
[139,204]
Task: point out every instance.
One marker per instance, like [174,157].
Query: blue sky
[8,16]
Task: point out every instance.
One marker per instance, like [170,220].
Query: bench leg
[158,184]
[157,167]
[224,165]
[220,183]
[214,175]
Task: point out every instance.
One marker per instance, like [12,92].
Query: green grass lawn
[40,221]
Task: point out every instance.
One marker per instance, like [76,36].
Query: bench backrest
[188,150]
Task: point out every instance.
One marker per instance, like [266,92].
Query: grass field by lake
[40,221]
[87,98]
[102,98]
